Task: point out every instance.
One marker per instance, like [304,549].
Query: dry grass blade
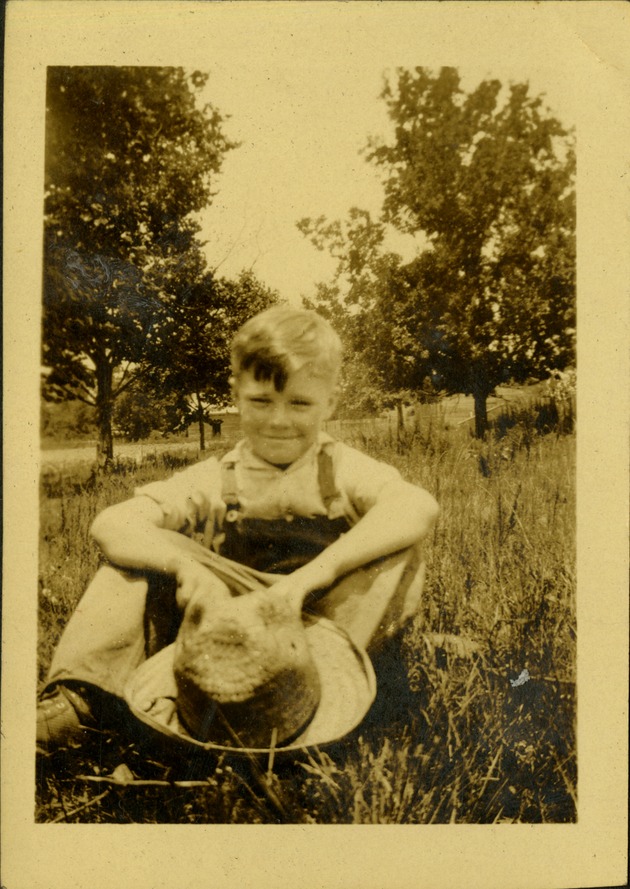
[66,815]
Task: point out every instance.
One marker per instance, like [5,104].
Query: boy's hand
[193,579]
[296,586]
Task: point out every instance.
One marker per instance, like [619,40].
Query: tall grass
[458,733]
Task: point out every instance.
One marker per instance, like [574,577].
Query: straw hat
[251,673]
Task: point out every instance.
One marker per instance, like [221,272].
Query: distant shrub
[65,420]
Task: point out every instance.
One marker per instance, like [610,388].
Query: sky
[302,127]
[299,157]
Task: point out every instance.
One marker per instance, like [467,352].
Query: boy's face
[281,426]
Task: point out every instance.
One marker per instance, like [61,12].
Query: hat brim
[348,689]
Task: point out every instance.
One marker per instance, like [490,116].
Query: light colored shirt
[192,500]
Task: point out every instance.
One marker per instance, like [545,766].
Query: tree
[383,363]
[139,411]
[136,414]
[65,420]
[96,319]
[130,155]
[190,349]
[485,181]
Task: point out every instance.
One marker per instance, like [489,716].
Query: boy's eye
[297,403]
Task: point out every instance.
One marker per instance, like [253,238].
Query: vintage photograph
[315,396]
[307,553]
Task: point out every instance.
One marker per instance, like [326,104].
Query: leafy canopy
[484,180]
[131,154]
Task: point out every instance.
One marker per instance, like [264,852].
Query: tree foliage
[66,420]
[485,181]
[190,349]
[130,155]
[139,411]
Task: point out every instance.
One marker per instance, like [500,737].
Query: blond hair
[283,340]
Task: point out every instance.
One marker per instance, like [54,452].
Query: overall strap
[229,486]
[326,477]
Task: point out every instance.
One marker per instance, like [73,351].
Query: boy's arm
[402,516]
[129,535]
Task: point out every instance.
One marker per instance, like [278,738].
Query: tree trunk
[481,412]
[480,388]
[200,418]
[416,415]
[400,414]
[104,414]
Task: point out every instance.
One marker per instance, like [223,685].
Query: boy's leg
[104,639]
[120,620]
[373,604]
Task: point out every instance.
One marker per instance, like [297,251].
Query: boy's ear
[233,387]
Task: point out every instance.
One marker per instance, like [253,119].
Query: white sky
[299,157]
[302,126]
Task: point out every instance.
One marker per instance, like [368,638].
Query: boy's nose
[279,415]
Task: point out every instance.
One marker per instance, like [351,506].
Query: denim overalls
[281,545]
[126,616]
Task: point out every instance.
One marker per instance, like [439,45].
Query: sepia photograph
[311,393]
[183,399]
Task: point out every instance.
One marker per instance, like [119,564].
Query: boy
[287,500]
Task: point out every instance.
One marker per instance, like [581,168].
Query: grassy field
[455,736]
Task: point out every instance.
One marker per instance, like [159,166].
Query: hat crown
[243,668]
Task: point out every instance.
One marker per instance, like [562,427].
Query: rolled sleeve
[361,478]
[188,499]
